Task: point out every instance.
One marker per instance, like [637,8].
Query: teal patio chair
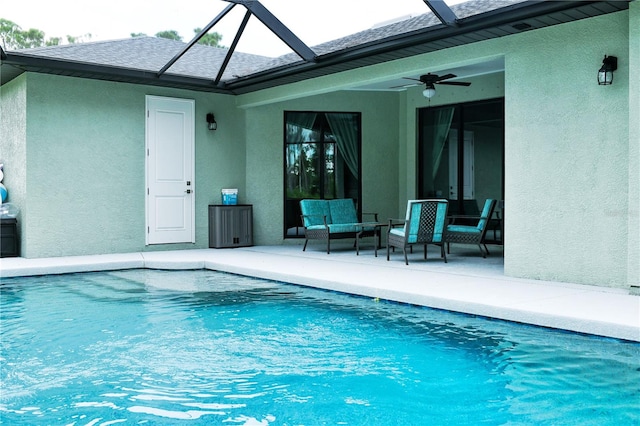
[425,223]
[471,234]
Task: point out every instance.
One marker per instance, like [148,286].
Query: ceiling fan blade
[405,85]
[454,83]
[445,77]
[414,79]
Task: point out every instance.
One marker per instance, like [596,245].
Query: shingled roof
[139,59]
[150,54]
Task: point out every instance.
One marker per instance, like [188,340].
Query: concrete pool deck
[468,283]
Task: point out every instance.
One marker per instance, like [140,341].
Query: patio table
[362,227]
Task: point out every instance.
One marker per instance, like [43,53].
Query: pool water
[202,347]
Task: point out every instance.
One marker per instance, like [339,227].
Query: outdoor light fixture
[605,73]
[211,121]
[429,91]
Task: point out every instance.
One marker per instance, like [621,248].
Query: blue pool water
[201,347]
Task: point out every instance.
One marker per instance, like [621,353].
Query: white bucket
[230,196]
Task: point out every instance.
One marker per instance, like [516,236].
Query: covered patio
[467,284]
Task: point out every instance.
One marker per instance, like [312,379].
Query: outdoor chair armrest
[395,223]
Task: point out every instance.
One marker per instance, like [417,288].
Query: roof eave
[493,24]
[25,62]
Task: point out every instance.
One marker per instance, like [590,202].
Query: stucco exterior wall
[13,135]
[567,153]
[633,255]
[86,165]
[265,147]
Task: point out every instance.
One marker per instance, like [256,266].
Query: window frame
[322,141]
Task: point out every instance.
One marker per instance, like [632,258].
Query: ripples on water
[160,347]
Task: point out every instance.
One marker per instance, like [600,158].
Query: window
[321,160]
[461,154]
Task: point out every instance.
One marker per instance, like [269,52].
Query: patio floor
[468,283]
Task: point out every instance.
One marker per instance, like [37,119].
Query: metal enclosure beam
[195,39]
[278,28]
[442,11]
[232,49]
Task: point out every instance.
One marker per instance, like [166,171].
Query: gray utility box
[230,225]
[9,246]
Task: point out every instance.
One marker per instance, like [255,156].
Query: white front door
[170,163]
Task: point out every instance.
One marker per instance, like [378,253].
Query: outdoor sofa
[328,220]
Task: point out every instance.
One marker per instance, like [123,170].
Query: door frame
[462,110]
[190,131]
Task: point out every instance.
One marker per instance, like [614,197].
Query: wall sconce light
[605,73]
[211,121]
[429,92]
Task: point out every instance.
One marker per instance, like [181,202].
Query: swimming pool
[201,347]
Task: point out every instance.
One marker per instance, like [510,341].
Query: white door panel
[170,169]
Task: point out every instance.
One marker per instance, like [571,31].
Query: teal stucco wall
[633,246]
[85,172]
[13,136]
[567,148]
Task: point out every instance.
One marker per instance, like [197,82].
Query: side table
[362,229]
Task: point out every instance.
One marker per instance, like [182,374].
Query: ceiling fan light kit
[430,80]
[429,91]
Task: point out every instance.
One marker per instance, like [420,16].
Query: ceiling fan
[430,80]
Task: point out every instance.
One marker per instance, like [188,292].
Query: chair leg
[404,250]
[487,250]
[328,245]
[443,253]
[449,248]
[425,252]
[387,250]
[484,256]
[305,244]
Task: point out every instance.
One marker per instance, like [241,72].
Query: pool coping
[478,290]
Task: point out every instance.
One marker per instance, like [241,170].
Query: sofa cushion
[343,227]
[314,212]
[342,211]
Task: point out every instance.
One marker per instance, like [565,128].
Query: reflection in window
[461,154]
[322,160]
